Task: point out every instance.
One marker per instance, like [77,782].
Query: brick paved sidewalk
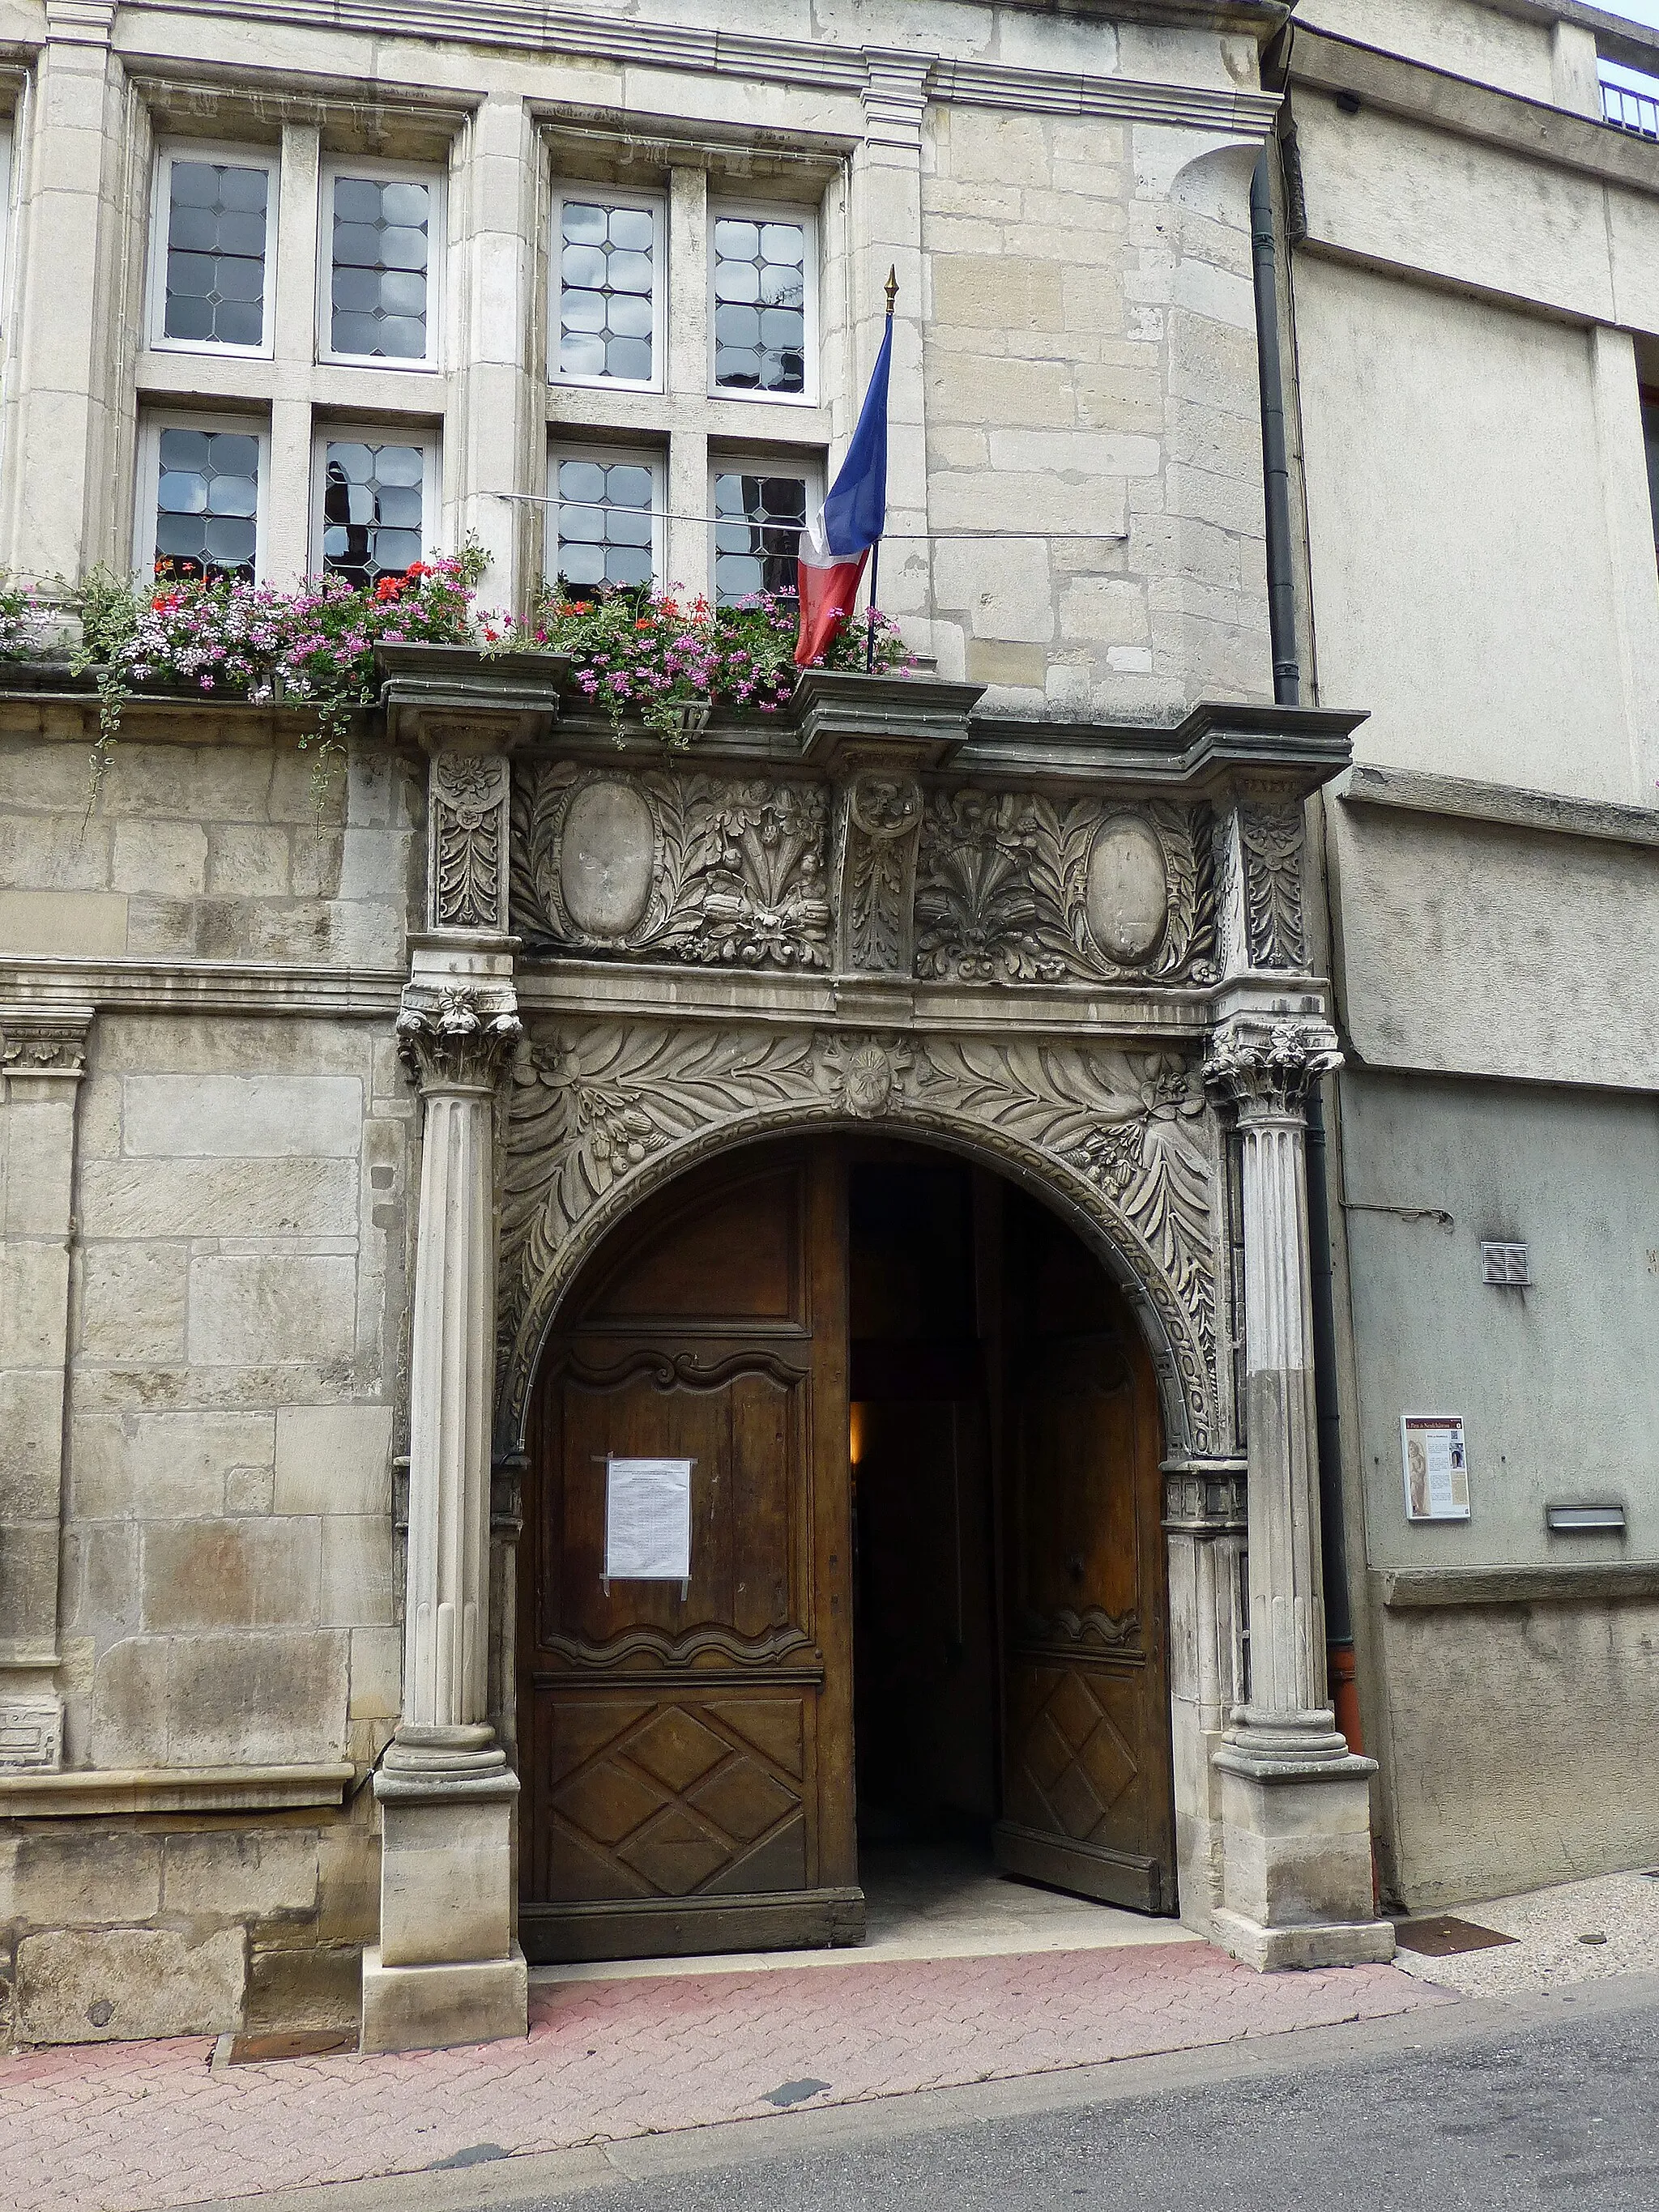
[133,2127]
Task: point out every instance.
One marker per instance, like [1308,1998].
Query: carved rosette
[1014,887]
[1268,1068]
[601,1111]
[457,1040]
[467,833]
[715,870]
[879,815]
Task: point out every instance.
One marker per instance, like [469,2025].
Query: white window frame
[656,206]
[809,465]
[373,434]
[389,173]
[151,425]
[5,221]
[241,157]
[738,210]
[574,449]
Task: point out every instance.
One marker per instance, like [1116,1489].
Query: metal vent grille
[1505,1265]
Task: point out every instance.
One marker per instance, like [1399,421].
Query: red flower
[389,588]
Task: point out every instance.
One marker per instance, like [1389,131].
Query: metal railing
[1635,112]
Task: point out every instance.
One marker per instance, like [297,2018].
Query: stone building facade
[1469,275]
[324,1095]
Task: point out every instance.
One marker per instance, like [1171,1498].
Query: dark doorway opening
[924,1623]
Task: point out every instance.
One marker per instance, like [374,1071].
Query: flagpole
[892,289]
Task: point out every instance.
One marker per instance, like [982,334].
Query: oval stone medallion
[605,858]
[1126,892]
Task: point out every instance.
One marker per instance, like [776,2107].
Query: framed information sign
[1436,1464]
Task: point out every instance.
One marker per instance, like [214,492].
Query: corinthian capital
[1267,1066]
[458,1040]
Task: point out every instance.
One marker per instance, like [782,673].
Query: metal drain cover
[1438,1934]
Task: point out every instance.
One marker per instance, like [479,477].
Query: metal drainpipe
[1287,692]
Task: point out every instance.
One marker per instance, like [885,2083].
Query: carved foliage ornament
[721,871]
[1272,839]
[457,1039]
[468,838]
[601,1104]
[879,817]
[1271,1067]
[1016,887]
[36,1044]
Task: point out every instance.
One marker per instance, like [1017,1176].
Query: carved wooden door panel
[686,1759]
[1086,1774]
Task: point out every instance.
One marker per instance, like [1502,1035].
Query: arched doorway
[924,1595]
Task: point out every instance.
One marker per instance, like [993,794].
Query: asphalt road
[1548,2101]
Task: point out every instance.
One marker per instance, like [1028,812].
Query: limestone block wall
[1090,377]
[224,1586]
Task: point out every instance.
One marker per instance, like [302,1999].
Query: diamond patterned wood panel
[677,1799]
[1071,1762]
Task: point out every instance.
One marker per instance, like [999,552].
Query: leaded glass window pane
[607,263]
[758,522]
[382,247]
[207,504]
[371,508]
[215,265]
[760,306]
[605,526]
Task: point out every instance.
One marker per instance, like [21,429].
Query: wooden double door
[925,1586]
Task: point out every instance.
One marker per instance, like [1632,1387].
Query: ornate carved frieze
[598,1106]
[467,841]
[717,870]
[457,1039]
[1016,887]
[1268,1068]
[879,814]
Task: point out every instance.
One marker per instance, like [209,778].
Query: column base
[1296,1887]
[432,2008]
[1282,1950]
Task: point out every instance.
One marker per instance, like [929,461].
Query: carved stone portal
[600,1112]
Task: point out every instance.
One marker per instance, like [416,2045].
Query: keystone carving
[878,816]
[467,837]
[458,1039]
[723,872]
[602,1106]
[1016,887]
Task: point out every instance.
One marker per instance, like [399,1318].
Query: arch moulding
[597,1113]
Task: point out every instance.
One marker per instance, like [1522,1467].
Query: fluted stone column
[1296,1803]
[448,1968]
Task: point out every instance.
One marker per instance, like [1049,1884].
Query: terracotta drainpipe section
[1287,692]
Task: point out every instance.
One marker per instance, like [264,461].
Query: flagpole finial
[891,289]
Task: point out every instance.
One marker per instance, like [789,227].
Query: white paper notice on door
[648,1519]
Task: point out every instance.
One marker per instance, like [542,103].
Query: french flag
[836,544]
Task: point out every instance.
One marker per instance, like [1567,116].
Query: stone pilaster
[43,1057]
[878,828]
[1296,1803]
[1204,1531]
[448,1969]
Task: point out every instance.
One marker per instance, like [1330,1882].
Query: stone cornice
[1508,806]
[826,65]
[173,1789]
[1417,1588]
[56,989]
[1323,62]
